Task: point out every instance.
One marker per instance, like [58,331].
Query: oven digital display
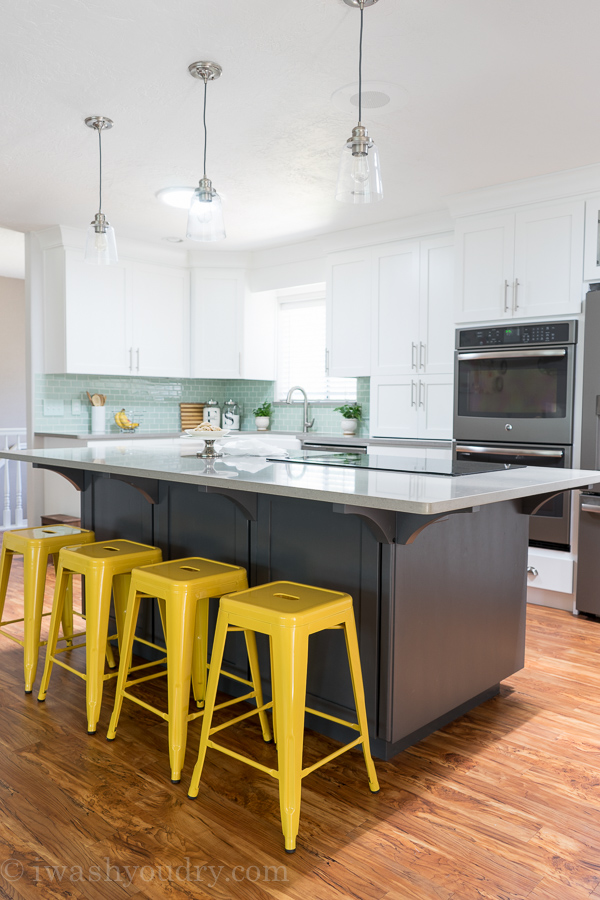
[516,335]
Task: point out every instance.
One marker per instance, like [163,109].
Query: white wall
[12,353]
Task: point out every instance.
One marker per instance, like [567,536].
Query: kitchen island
[436,565]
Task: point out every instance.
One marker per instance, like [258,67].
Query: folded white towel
[250,447]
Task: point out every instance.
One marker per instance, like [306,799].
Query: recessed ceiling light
[179,197]
[173,240]
[382,97]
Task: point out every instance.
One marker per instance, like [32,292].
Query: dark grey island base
[439,599]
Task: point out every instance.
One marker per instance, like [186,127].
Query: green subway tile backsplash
[154,402]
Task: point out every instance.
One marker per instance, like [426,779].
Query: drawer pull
[531,570]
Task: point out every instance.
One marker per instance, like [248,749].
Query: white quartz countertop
[400,492]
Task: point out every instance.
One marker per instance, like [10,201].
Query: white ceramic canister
[212,413]
[98,419]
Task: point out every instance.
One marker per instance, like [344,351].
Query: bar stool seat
[106,567]
[36,545]
[289,613]
[183,588]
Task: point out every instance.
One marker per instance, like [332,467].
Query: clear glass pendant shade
[101,246]
[359,177]
[205,218]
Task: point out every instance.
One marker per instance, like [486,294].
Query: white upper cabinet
[436,306]
[413,310]
[395,306]
[217,322]
[524,263]
[88,328]
[548,260]
[129,319]
[349,313]
[160,305]
[485,247]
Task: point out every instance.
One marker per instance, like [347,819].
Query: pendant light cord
[100,179]
[204,120]
[362,9]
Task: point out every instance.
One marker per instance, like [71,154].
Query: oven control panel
[537,333]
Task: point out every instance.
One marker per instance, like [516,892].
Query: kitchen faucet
[307,424]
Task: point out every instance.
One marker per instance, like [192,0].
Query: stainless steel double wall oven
[513,402]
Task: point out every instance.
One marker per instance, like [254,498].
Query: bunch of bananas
[124,422]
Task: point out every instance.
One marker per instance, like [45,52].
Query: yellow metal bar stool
[106,567]
[289,613]
[36,545]
[183,588]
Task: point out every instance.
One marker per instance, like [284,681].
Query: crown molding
[382,232]
[554,186]
[218,259]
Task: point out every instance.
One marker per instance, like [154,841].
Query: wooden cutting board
[191,415]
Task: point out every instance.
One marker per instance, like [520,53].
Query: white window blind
[301,352]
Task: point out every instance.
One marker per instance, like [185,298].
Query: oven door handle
[512,354]
[513,451]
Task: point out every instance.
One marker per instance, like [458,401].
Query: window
[301,345]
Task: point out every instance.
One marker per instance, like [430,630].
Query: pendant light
[359,177]
[100,245]
[205,219]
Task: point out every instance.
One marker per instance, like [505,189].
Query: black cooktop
[413,464]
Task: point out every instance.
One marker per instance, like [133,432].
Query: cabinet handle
[505,296]
[138,359]
[422,356]
[516,295]
[131,359]
[531,570]
[327,362]
[422,395]
[413,363]
[413,396]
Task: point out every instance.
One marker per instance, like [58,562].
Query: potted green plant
[262,415]
[351,415]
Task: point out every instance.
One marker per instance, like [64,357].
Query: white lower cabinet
[412,407]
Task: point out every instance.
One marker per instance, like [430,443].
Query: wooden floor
[503,804]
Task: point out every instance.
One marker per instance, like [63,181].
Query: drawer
[550,570]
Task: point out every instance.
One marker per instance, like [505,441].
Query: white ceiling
[491,91]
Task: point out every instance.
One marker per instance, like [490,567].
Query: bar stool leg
[216,661]
[133,608]
[98,585]
[60,590]
[290,663]
[359,696]
[120,587]
[255,676]
[181,618]
[35,563]
[67,614]
[6,559]
[200,654]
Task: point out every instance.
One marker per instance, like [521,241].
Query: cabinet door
[394,406]
[349,314]
[484,267]
[160,312]
[591,257]
[97,322]
[217,313]
[436,339]
[395,336]
[549,260]
[435,399]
